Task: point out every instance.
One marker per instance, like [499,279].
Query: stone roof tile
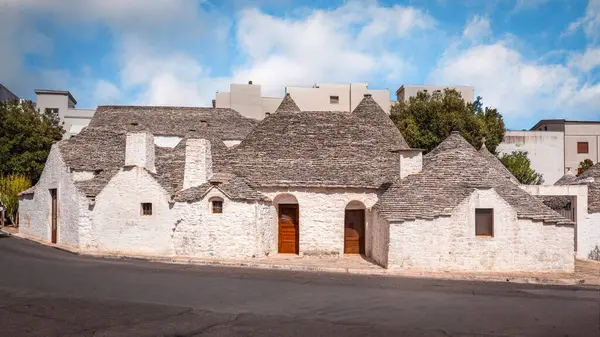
[452,172]
[321,148]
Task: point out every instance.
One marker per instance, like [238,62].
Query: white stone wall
[35,214]
[588,233]
[244,229]
[411,162]
[167,141]
[545,149]
[117,223]
[449,243]
[380,234]
[139,151]
[198,162]
[322,214]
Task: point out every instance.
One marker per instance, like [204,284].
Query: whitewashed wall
[449,243]
[380,234]
[244,229]
[322,213]
[588,234]
[35,214]
[546,150]
[117,223]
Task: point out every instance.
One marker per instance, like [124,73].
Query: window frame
[491,224]
[334,99]
[587,147]
[145,208]
[214,209]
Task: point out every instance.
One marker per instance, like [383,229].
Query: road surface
[48,292]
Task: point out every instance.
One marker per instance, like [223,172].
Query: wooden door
[354,232]
[288,229]
[54,215]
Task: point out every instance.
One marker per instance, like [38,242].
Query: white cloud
[589,23]
[349,43]
[519,87]
[478,27]
[586,61]
[106,93]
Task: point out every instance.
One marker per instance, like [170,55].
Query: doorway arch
[288,223]
[354,228]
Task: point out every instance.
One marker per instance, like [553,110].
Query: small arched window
[216,205]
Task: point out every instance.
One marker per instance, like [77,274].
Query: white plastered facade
[449,243]
[321,213]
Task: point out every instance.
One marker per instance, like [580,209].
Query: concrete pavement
[48,292]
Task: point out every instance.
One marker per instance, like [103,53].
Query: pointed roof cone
[453,171]
[496,163]
[287,105]
[372,116]
[568,179]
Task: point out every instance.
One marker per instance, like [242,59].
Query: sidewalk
[586,272]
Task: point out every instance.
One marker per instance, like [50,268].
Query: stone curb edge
[339,270]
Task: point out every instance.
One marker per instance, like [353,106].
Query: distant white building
[247,99]
[63,102]
[407,91]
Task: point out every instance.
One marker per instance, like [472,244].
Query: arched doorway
[288,221]
[354,228]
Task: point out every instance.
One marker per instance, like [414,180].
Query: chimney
[139,150]
[198,163]
[411,162]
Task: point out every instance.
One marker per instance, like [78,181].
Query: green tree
[520,166]
[10,187]
[584,165]
[427,119]
[26,136]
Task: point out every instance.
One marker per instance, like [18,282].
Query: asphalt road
[48,292]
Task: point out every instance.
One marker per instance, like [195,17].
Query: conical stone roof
[321,148]
[451,173]
[496,163]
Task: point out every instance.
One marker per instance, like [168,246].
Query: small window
[545,128]
[217,206]
[51,110]
[147,208]
[334,99]
[484,222]
[582,147]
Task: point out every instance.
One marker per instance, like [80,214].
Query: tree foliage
[26,136]
[10,187]
[520,166]
[584,165]
[427,119]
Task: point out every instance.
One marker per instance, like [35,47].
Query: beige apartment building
[63,102]
[247,99]
[581,139]
[555,146]
[407,91]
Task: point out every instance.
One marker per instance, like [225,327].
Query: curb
[379,271]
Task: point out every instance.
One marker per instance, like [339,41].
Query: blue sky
[531,59]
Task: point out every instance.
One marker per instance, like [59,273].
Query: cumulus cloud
[349,43]
[478,27]
[518,86]
[589,22]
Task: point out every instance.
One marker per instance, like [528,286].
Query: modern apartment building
[247,99]
[407,91]
[581,139]
[63,102]
[556,145]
